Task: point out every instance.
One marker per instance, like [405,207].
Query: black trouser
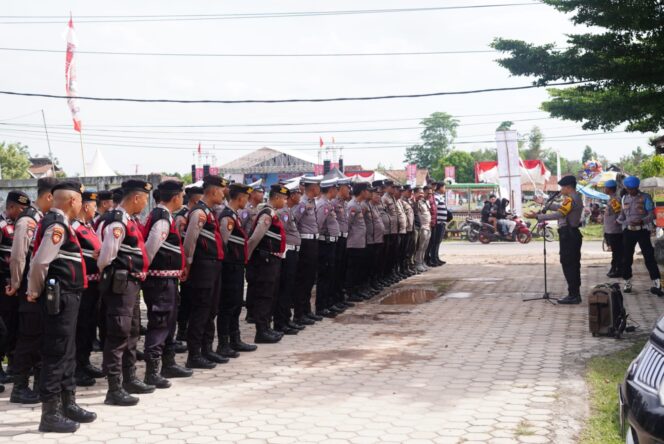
[412,247]
[642,237]
[305,277]
[58,346]
[385,260]
[393,251]
[403,248]
[570,258]
[615,242]
[27,354]
[86,326]
[282,307]
[374,252]
[339,270]
[211,324]
[356,257]
[101,321]
[232,295]
[9,316]
[122,329]
[160,295]
[437,235]
[3,338]
[184,308]
[326,275]
[205,288]
[263,271]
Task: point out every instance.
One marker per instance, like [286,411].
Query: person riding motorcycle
[490,211]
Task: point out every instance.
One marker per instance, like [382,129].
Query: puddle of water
[459,295]
[479,279]
[410,297]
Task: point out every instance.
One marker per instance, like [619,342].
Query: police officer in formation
[613,233]
[191,254]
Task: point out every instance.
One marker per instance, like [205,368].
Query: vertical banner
[318,169]
[509,170]
[214,171]
[411,174]
[199,174]
[450,172]
[71,81]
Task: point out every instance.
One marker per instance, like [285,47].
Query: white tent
[99,167]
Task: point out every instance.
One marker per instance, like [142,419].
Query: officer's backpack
[606,312]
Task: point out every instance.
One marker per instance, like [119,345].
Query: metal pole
[48,142]
[80,136]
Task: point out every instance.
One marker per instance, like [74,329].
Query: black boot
[152,376]
[21,393]
[83,379]
[117,395]
[213,356]
[74,411]
[239,346]
[224,348]
[170,369]
[134,385]
[182,331]
[4,377]
[265,336]
[197,360]
[91,370]
[570,300]
[52,419]
[36,374]
[180,347]
[140,356]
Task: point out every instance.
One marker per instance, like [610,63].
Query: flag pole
[48,141]
[80,137]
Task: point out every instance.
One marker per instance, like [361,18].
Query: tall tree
[462,161]
[14,161]
[620,62]
[535,151]
[505,125]
[440,130]
[652,167]
[588,154]
[484,154]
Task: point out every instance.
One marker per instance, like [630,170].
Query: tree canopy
[440,130]
[463,162]
[620,65]
[14,161]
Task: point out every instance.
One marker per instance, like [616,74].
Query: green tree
[440,130]
[652,167]
[535,150]
[484,154]
[620,62]
[505,125]
[631,164]
[463,163]
[14,161]
[588,154]
[186,178]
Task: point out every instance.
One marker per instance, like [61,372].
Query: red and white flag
[71,84]
[320,141]
[199,148]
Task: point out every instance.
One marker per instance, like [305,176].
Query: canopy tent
[98,167]
[334,173]
[532,171]
[601,178]
[652,182]
[365,176]
[591,193]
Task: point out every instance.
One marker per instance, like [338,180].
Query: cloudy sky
[163,137]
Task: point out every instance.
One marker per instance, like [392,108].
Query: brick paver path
[476,365]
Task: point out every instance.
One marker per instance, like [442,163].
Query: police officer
[164,251]
[385,280]
[235,241]
[248,217]
[123,265]
[56,279]
[283,307]
[340,204]
[402,225]
[568,214]
[192,195]
[440,219]
[392,241]
[423,212]
[26,353]
[86,326]
[357,242]
[637,217]
[305,217]
[407,204]
[266,247]
[104,204]
[204,253]
[612,229]
[375,235]
[328,234]
[17,201]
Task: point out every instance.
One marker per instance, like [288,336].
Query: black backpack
[606,311]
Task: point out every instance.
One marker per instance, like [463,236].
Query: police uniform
[267,244]
[236,255]
[340,209]
[356,244]
[637,216]
[407,206]
[403,235]
[8,304]
[384,278]
[375,241]
[204,252]
[86,326]
[307,266]
[164,251]
[613,230]
[248,220]
[392,241]
[58,264]
[123,264]
[423,211]
[568,214]
[328,235]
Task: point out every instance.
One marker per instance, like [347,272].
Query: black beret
[388,183]
[136,185]
[417,189]
[89,196]
[46,183]
[360,186]
[18,197]
[104,195]
[279,189]
[170,185]
[567,181]
[377,183]
[69,185]
[116,192]
[406,187]
[214,181]
[241,188]
[190,191]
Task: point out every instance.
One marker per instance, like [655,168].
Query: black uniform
[8,304]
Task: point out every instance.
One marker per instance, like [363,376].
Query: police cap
[327,184]
[279,189]
[359,187]
[214,181]
[388,183]
[567,181]
[406,187]
[377,183]
[104,195]
[343,182]
[309,181]
[18,197]
[170,185]
[69,185]
[131,185]
[240,188]
[90,196]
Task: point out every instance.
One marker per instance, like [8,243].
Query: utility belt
[307,236]
[266,254]
[329,239]
[567,229]
[635,227]
[165,273]
[116,281]
[344,235]
[291,248]
[93,277]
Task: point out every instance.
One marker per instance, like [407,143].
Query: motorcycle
[520,233]
[542,229]
[472,227]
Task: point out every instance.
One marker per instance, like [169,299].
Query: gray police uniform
[340,208]
[328,234]
[305,217]
[282,310]
[355,246]
[637,216]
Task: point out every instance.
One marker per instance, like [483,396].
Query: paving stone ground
[476,365]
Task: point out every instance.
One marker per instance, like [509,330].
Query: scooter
[520,233]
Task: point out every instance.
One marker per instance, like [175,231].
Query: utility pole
[48,142]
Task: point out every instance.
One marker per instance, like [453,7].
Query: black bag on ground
[606,311]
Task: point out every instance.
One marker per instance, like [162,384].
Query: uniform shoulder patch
[56,235]
[117,232]
[201,219]
[230,224]
[302,209]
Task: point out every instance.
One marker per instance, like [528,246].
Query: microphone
[545,207]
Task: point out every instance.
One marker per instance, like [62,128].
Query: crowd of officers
[75,262]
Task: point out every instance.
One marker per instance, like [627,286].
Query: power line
[314,100]
[236,16]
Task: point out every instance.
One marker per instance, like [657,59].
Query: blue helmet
[610,183]
[631,182]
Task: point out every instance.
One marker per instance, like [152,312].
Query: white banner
[509,168]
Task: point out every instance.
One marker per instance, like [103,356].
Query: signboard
[411,174]
[318,170]
[214,171]
[199,174]
[659,216]
[509,168]
[450,171]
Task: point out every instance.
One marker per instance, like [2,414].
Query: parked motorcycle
[542,229]
[521,233]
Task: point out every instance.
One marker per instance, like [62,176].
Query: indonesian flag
[320,141]
[199,148]
[71,84]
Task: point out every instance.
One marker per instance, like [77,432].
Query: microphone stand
[545,296]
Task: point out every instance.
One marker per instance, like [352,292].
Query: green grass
[603,375]
[593,232]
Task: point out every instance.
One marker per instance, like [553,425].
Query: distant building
[269,164]
[42,167]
